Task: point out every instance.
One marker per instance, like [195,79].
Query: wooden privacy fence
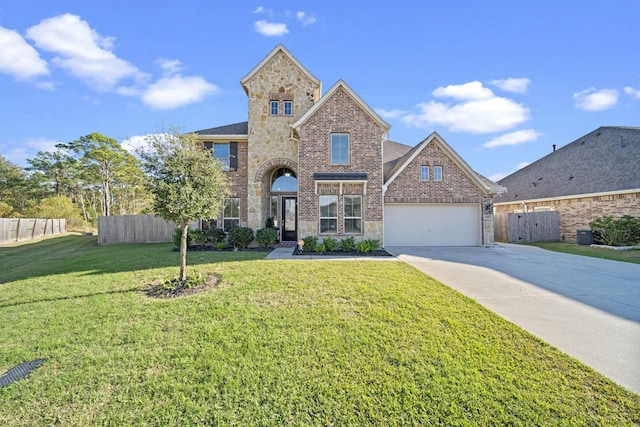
[21,229]
[527,227]
[135,229]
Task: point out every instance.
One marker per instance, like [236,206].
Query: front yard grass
[274,343]
[630,255]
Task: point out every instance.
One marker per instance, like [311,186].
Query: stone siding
[270,136]
[341,114]
[576,213]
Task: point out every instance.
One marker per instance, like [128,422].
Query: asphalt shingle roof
[607,159]
[241,128]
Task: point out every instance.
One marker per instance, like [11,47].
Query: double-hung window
[437,173]
[221,154]
[328,214]
[287,107]
[353,214]
[424,173]
[231,214]
[274,107]
[339,148]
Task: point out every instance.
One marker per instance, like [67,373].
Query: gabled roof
[392,152]
[279,48]
[235,129]
[484,183]
[605,160]
[340,84]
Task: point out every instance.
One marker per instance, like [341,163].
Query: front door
[289,219]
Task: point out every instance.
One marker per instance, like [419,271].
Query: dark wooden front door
[289,218]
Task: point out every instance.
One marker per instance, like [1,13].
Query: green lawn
[632,255]
[275,343]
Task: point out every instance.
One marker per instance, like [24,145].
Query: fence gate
[527,227]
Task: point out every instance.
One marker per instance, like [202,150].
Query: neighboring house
[597,174]
[320,165]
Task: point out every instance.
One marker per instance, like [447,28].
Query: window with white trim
[437,173]
[339,148]
[352,214]
[274,107]
[231,214]
[328,214]
[222,154]
[287,108]
[424,173]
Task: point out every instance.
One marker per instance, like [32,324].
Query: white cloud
[82,51]
[596,100]
[479,115]
[634,93]
[177,91]
[519,85]
[513,138]
[134,143]
[390,114]
[259,9]
[305,19]
[467,91]
[499,175]
[270,29]
[18,58]
[170,66]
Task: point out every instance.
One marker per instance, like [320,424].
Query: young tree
[187,183]
[14,185]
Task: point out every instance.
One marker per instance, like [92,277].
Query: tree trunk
[183,252]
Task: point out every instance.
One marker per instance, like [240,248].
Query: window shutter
[233,156]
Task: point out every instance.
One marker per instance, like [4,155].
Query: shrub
[310,243]
[624,231]
[320,248]
[363,246]
[266,237]
[331,244]
[214,236]
[240,237]
[348,244]
[220,245]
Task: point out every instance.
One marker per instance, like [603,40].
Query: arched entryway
[283,194]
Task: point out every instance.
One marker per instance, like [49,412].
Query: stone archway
[274,202]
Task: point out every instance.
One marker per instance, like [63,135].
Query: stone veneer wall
[270,136]
[340,114]
[455,187]
[576,213]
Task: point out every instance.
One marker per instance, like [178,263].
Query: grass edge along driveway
[274,343]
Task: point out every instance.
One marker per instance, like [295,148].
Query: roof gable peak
[279,48]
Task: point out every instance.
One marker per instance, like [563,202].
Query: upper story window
[222,155]
[437,173]
[339,148]
[274,107]
[424,173]
[288,108]
[281,103]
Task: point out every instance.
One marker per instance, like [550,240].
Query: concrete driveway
[587,307]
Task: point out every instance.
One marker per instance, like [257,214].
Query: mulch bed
[159,289]
[379,252]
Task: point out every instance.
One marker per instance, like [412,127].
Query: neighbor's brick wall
[575,214]
[455,187]
[341,114]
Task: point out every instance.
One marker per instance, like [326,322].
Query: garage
[455,224]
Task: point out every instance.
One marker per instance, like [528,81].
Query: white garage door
[432,225]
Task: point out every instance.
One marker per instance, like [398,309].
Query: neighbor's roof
[605,160]
[237,129]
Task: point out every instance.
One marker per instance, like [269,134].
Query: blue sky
[501,81]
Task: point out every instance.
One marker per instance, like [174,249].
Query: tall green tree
[54,169]
[14,185]
[187,183]
[104,160]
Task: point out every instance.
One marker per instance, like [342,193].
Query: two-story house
[319,164]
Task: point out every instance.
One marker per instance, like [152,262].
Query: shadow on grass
[77,254]
[72,297]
